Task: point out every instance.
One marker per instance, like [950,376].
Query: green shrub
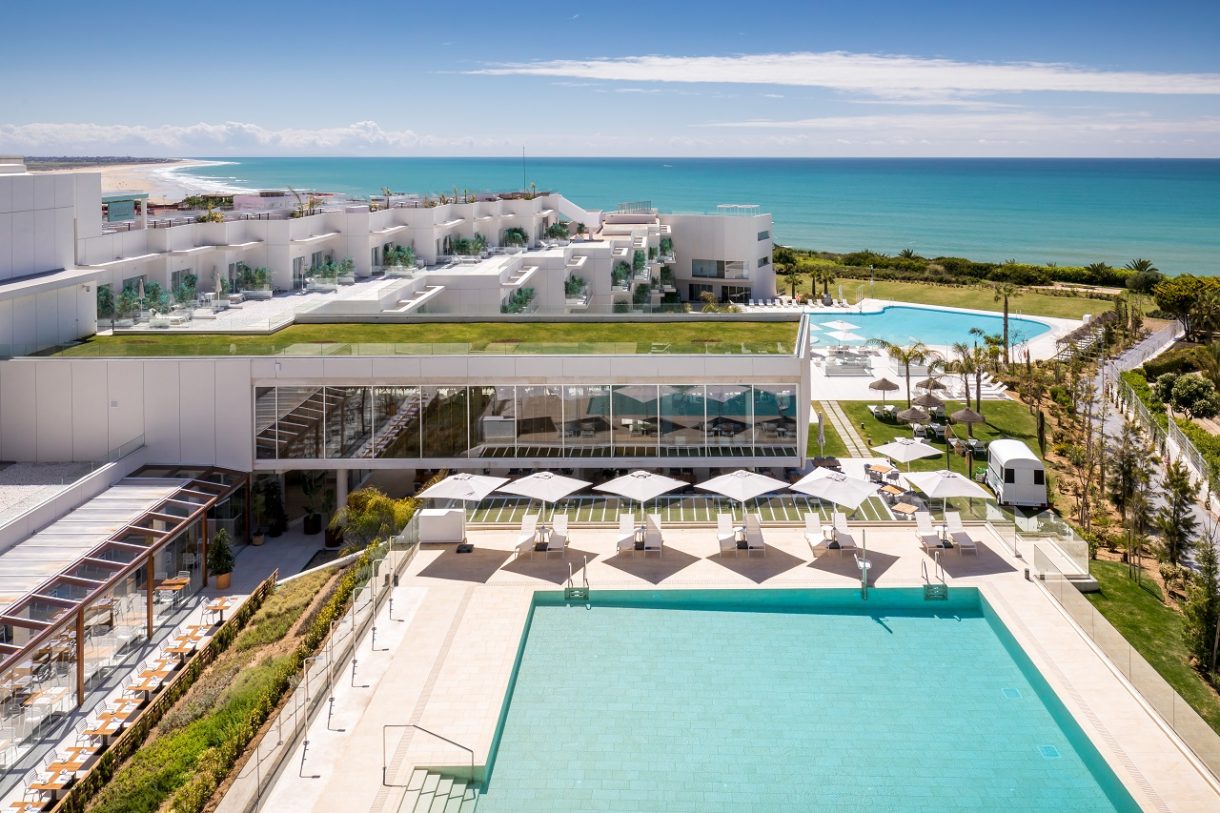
[1181,359]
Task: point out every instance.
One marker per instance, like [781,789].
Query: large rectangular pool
[761,700]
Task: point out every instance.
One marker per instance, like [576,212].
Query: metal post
[148,577]
[80,656]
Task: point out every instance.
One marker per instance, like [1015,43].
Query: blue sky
[870,78]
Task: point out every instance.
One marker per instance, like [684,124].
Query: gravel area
[24,485]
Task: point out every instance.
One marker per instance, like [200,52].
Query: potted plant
[220,559]
[258,506]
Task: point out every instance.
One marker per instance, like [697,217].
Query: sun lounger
[926,535]
[813,531]
[528,535]
[754,535]
[843,538]
[557,539]
[653,543]
[957,532]
[626,533]
[726,534]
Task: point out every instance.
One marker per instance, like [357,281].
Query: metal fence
[328,666]
[1170,440]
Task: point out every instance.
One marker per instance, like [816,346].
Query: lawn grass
[835,447]
[977,297]
[1005,419]
[1155,631]
[695,336]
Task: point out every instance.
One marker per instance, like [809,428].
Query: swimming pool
[765,700]
[904,325]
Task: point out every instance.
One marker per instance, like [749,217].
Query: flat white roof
[57,547]
[1008,451]
[26,286]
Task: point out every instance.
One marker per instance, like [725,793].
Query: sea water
[1068,211]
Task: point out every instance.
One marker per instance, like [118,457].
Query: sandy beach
[159,180]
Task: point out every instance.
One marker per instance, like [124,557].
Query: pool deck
[444,659]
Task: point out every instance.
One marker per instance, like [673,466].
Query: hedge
[961,269]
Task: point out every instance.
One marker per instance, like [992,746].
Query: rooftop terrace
[697,336]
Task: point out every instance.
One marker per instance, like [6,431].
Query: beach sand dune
[162,184]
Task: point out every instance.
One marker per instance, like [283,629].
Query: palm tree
[917,353]
[1141,266]
[1003,292]
[908,254]
[965,365]
[824,275]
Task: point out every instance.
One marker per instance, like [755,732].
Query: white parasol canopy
[845,336]
[462,486]
[941,485]
[904,450]
[742,485]
[839,324]
[546,486]
[835,487]
[640,486]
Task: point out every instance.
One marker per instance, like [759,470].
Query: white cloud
[885,75]
[231,138]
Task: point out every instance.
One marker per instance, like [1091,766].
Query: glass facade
[526,421]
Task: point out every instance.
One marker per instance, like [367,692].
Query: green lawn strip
[203,735]
[1155,631]
[507,337]
[1005,419]
[834,447]
[976,297]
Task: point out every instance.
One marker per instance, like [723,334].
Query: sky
[877,78]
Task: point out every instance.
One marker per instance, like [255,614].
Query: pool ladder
[935,588]
[577,592]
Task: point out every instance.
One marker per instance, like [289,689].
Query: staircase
[936,591]
[935,588]
[431,792]
[577,592]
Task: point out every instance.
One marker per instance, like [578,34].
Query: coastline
[163,182]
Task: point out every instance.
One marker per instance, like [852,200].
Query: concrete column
[340,488]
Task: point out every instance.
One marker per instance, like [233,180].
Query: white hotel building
[342,408]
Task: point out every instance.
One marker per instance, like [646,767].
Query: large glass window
[539,421]
[774,418]
[300,411]
[349,421]
[729,420]
[446,422]
[681,420]
[397,420]
[634,410]
[494,431]
[586,426]
[707,268]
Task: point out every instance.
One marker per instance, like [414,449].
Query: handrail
[416,726]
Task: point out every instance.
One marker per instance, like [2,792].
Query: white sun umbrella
[943,484]
[814,326]
[839,324]
[742,485]
[462,486]
[845,336]
[640,486]
[835,487]
[546,486]
[904,450]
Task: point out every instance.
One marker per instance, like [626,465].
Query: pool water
[786,700]
[905,325]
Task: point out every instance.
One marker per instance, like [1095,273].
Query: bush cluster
[908,266]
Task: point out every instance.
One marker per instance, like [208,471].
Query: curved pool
[905,324]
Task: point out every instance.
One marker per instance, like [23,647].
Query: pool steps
[432,792]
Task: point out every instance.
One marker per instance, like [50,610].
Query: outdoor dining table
[147,685]
[26,806]
[893,491]
[218,607]
[173,586]
[106,729]
[905,509]
[74,763]
[181,647]
[55,784]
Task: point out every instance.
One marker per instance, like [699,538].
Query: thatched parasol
[928,400]
[969,417]
[913,415]
[930,384]
[883,385]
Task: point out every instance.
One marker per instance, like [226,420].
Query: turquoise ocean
[1066,211]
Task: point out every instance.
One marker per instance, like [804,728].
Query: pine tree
[1202,609]
[1176,519]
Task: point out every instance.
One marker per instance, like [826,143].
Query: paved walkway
[855,444]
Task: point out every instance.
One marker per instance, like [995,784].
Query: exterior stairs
[432,792]
[935,591]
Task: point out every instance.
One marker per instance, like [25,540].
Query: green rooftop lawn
[1155,631]
[1005,419]
[978,297]
[450,337]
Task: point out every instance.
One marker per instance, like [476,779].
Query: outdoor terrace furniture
[726,533]
[528,535]
[843,539]
[927,536]
[815,532]
[557,539]
[626,533]
[653,542]
[754,535]
[957,533]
